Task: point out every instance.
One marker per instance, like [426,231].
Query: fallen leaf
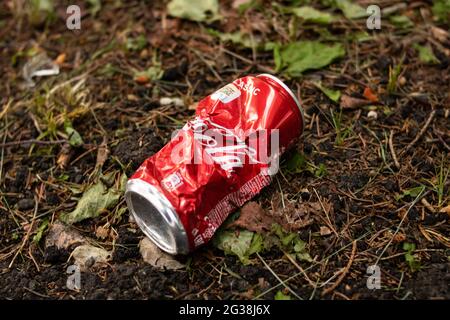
[350,10]
[445,210]
[63,236]
[441,10]
[249,294]
[324,231]
[399,237]
[369,95]
[254,218]
[156,257]
[96,199]
[334,95]
[205,10]
[237,38]
[102,232]
[401,21]
[349,103]
[298,57]
[439,34]
[102,153]
[309,14]
[74,137]
[136,44]
[281,296]
[87,256]
[297,216]
[426,54]
[60,59]
[64,156]
[142,78]
[290,242]
[132,97]
[241,243]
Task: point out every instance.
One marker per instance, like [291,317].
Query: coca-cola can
[219,160]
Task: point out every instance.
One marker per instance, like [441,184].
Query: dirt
[349,189]
[136,147]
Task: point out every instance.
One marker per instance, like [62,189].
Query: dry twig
[343,273]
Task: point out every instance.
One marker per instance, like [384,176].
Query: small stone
[165,101]
[372,115]
[25,204]
[156,257]
[87,256]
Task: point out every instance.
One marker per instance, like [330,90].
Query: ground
[376,160]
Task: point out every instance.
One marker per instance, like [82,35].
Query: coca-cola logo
[224,147]
[214,143]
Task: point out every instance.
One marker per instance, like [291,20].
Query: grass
[442,179]
[394,73]
[439,182]
[341,132]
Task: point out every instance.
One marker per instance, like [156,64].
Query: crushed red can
[219,160]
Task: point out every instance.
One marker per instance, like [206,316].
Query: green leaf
[95,6]
[298,57]
[309,14]
[361,36]
[244,6]
[412,192]
[296,163]
[281,296]
[40,11]
[270,45]
[239,244]
[351,10]
[237,37]
[257,244]
[154,72]
[304,256]
[299,245]
[426,54]
[401,21]
[75,139]
[334,95]
[43,5]
[410,258]
[409,246]
[97,198]
[441,10]
[136,44]
[288,238]
[244,243]
[277,57]
[40,231]
[291,243]
[321,171]
[205,10]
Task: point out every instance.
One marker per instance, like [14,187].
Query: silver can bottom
[156,217]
